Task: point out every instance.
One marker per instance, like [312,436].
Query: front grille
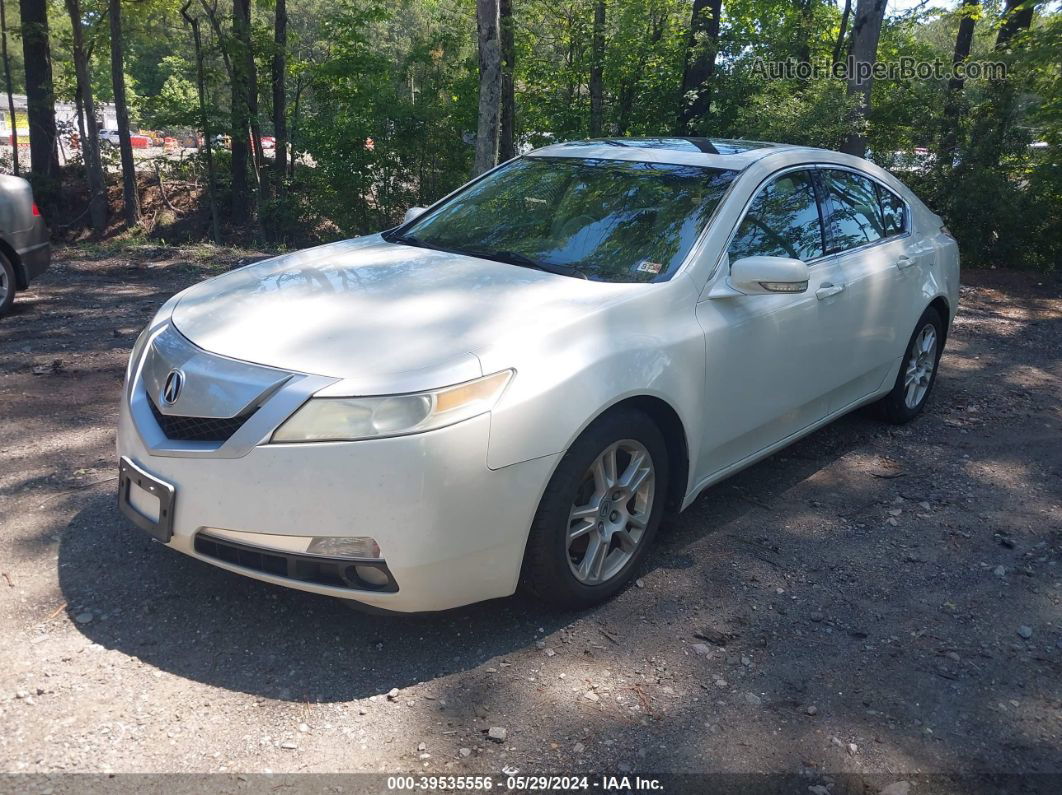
[197,429]
[334,572]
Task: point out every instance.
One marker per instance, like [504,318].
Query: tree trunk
[1017,16]
[10,90]
[130,198]
[806,13]
[204,119]
[949,136]
[866,30]
[90,146]
[254,124]
[507,136]
[241,30]
[597,58]
[490,84]
[40,98]
[280,97]
[701,48]
[839,44]
[295,106]
[79,114]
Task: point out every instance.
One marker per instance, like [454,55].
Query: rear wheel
[918,372]
[599,513]
[7,285]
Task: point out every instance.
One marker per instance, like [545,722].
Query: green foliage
[387,124]
[177,102]
[382,99]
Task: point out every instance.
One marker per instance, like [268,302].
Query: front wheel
[918,372]
[599,513]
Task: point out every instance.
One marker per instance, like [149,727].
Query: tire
[906,401]
[7,285]
[551,557]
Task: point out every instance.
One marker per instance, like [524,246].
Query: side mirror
[768,275]
[412,213]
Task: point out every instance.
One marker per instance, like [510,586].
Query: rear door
[881,265]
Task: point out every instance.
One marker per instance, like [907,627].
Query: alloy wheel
[920,366]
[609,517]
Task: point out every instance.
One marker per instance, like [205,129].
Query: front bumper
[451,530]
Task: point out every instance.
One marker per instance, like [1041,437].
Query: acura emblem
[171,390]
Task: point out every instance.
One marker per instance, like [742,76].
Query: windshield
[607,220]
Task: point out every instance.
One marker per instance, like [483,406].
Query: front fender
[650,345]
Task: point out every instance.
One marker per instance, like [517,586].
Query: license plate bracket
[130,476]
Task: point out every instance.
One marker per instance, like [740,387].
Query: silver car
[24,247]
[512,386]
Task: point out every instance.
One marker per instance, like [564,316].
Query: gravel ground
[872,600]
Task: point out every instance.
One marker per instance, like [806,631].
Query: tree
[488,128]
[507,135]
[805,21]
[1017,16]
[90,140]
[280,98]
[953,99]
[40,99]
[241,77]
[866,30]
[702,45]
[993,127]
[597,58]
[10,89]
[130,198]
[204,117]
[841,31]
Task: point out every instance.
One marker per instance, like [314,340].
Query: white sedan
[514,385]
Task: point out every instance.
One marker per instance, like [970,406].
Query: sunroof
[709,146]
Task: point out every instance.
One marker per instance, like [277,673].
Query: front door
[771,358]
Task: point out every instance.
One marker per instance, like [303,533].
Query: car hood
[382,317]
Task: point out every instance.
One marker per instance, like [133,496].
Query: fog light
[372,576]
[340,547]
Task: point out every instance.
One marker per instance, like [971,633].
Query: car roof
[714,152]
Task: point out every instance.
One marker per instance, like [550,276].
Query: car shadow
[212,626]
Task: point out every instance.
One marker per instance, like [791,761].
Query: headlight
[347,419]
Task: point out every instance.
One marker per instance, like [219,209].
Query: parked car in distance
[269,142]
[109,137]
[25,250]
[513,386]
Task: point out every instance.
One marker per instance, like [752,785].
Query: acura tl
[516,384]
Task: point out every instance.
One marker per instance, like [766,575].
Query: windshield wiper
[409,240]
[501,255]
[524,261]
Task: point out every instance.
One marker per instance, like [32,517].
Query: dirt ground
[872,600]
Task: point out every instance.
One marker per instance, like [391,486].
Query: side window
[855,215]
[783,221]
[893,212]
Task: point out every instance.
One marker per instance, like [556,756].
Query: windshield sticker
[645,266]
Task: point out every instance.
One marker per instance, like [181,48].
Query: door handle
[827,289]
[904,261]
